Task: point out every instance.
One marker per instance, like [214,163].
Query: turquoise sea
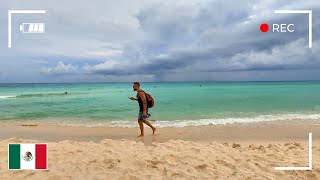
[176,104]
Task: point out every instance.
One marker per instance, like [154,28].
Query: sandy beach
[234,151]
[225,90]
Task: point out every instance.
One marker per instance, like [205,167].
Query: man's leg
[141,128]
[150,125]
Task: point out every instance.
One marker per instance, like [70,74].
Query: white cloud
[107,65]
[104,53]
[61,68]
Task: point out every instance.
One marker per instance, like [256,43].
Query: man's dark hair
[137,83]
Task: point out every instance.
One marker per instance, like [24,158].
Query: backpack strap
[138,93]
[144,94]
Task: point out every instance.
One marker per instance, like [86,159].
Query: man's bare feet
[141,135]
[153,130]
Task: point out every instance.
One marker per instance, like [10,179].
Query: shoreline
[254,131]
[306,117]
[233,151]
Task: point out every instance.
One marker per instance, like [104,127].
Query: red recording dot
[264,27]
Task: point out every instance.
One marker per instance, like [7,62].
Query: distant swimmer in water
[65,92]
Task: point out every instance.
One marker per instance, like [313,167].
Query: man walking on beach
[143,108]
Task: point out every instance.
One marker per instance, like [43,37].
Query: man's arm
[133,99]
[142,95]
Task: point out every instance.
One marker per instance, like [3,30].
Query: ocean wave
[5,97]
[40,95]
[35,95]
[197,122]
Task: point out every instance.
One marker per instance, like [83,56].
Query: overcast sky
[159,40]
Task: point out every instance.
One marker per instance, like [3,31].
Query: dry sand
[238,151]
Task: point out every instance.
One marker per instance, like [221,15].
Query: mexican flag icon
[27,156]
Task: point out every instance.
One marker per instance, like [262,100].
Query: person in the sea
[143,108]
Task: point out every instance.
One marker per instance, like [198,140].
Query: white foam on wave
[5,97]
[199,122]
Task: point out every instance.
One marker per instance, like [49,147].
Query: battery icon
[32,27]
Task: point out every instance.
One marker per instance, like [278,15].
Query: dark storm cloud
[237,40]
